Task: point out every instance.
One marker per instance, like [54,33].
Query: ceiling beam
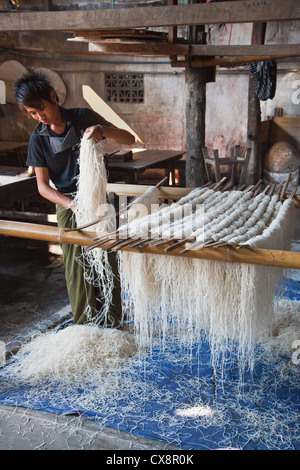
[206,60]
[244,11]
[224,61]
[164,50]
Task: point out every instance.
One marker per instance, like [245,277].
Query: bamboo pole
[134,190]
[169,192]
[278,258]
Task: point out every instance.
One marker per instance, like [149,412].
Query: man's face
[45,113]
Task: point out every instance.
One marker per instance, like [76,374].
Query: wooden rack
[277,258]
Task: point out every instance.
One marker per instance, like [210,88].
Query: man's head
[35,96]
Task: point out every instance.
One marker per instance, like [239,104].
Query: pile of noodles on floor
[170,396]
[75,355]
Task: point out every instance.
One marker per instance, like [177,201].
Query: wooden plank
[207,163]
[216,164]
[245,166]
[8,146]
[123,32]
[227,161]
[247,50]
[285,129]
[278,258]
[172,31]
[17,190]
[236,154]
[265,127]
[164,50]
[132,190]
[245,11]
[146,159]
[228,61]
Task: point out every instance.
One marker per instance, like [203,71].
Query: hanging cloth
[265,74]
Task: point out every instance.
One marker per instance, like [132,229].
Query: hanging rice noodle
[231,303]
[92,204]
[143,205]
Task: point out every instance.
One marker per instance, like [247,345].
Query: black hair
[31,88]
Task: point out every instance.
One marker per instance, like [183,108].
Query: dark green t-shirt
[59,153]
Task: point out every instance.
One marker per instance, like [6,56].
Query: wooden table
[18,148]
[7,146]
[15,184]
[145,159]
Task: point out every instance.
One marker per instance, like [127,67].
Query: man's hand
[73,206]
[110,132]
[95,132]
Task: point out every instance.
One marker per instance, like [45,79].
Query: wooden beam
[230,55]
[245,11]
[164,192]
[278,258]
[195,109]
[254,172]
[172,30]
[135,190]
[164,50]
[226,61]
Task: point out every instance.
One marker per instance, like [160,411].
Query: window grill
[124,87]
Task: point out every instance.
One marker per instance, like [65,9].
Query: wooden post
[254,114]
[172,32]
[195,127]
[195,112]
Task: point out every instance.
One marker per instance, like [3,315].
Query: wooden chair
[239,164]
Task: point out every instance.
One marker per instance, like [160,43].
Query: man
[53,152]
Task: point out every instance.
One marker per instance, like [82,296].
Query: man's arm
[98,127]
[111,132]
[45,190]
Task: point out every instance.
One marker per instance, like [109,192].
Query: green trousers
[83,296]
